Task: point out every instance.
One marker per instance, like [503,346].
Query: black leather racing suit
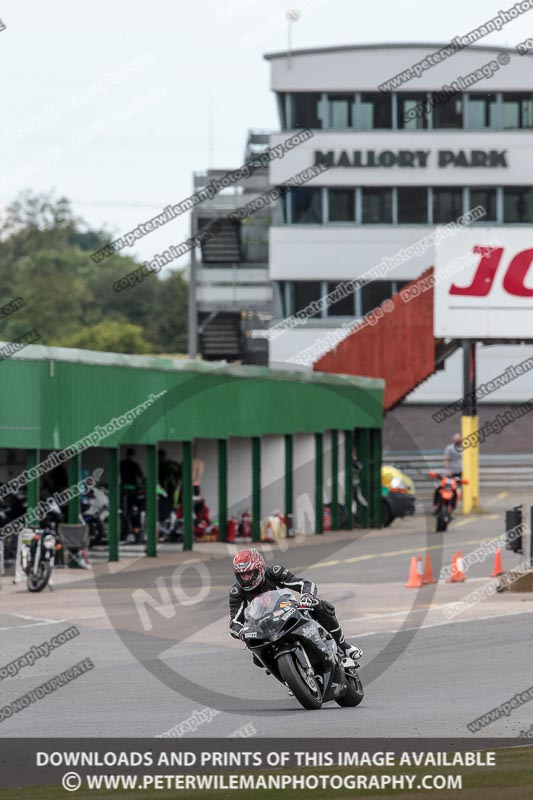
[279,577]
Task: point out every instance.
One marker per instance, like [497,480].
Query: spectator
[130,471]
[197,473]
[131,480]
[169,476]
[453,457]
[55,480]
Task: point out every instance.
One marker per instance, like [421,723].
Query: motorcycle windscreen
[270,604]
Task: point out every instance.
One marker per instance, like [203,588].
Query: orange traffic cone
[457,575]
[427,577]
[415,579]
[460,574]
[498,569]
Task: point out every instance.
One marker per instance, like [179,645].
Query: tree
[45,259]
[169,326]
[111,336]
[57,301]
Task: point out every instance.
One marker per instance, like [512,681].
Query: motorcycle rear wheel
[354,690]
[293,677]
[36,583]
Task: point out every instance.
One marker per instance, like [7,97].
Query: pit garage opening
[267,440]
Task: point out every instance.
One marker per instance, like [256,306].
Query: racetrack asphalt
[424,675]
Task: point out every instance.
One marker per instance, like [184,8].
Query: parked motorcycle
[95,514]
[38,549]
[299,652]
[170,524]
[447,495]
[133,513]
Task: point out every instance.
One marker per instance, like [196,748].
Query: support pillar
[335,480]
[289,467]
[32,490]
[256,488]
[319,483]
[113,488]
[188,532]
[74,477]
[375,478]
[223,488]
[151,500]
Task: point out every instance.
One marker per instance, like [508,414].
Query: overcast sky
[131,89]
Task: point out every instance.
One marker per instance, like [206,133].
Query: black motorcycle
[38,550]
[299,652]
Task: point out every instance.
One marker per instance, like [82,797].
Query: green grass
[511,778]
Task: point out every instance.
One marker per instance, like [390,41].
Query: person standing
[169,476]
[453,457]
[197,473]
[453,464]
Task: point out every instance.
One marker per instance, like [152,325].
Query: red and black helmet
[249,568]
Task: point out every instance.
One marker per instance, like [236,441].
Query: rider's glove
[308,600]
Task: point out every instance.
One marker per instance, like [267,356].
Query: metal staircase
[224,246]
[220,337]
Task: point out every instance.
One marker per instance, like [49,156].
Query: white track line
[38,622]
[437,624]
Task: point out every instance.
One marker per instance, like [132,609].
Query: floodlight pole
[192,338]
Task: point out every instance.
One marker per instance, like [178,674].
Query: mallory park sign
[412,158]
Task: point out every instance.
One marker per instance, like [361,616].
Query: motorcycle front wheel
[354,689]
[442,519]
[304,687]
[36,583]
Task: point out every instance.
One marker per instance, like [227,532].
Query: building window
[398,286]
[377,206]
[283,100]
[481,111]
[413,111]
[340,110]
[279,300]
[284,202]
[413,205]
[344,307]
[341,205]
[447,205]
[517,111]
[373,294]
[447,112]
[518,204]
[487,198]
[306,110]
[306,206]
[376,111]
[306,292]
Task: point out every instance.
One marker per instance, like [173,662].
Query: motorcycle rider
[453,466]
[254,577]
